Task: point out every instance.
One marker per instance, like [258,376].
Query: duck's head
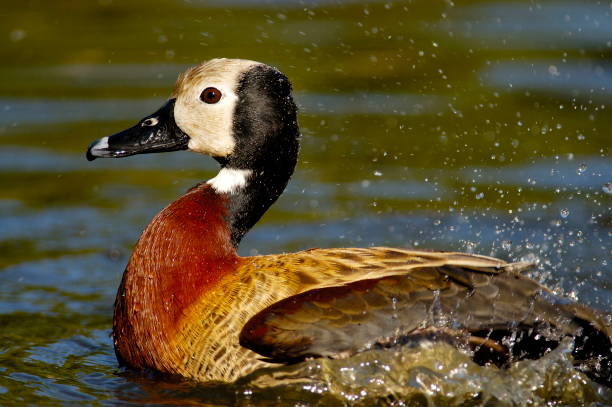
[240,112]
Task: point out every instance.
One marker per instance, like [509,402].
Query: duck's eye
[210,95]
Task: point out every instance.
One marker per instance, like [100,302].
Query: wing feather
[351,300]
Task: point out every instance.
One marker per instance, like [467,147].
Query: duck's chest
[202,341]
[181,257]
[208,336]
[150,313]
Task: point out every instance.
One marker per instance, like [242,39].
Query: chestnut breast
[182,255]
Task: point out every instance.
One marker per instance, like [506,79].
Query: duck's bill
[155,133]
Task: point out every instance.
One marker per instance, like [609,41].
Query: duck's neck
[250,192]
[267,142]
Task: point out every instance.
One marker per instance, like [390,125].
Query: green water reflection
[479,126]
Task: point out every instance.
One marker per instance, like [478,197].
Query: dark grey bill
[155,133]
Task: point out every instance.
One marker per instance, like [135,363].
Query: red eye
[210,95]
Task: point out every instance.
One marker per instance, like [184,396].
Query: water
[480,127]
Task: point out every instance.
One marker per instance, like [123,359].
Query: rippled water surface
[474,126]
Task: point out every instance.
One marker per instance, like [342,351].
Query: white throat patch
[229,180]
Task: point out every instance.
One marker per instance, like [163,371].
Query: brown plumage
[189,305]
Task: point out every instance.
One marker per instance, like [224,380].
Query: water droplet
[564,212]
[480,195]
[378,173]
[607,188]
[553,70]
[470,246]
[581,169]
[506,244]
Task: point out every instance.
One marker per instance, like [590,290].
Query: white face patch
[209,125]
[229,180]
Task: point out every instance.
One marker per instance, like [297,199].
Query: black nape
[267,142]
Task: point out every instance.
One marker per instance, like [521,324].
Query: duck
[188,305]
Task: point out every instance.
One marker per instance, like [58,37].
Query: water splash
[434,374]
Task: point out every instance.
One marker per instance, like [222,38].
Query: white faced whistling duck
[189,305]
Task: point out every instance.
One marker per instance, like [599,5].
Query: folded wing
[383,297]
